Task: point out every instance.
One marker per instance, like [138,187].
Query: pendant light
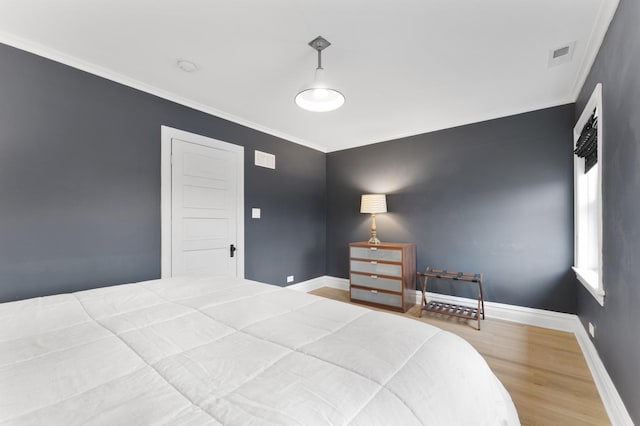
[318,96]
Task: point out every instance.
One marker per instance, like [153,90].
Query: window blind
[587,143]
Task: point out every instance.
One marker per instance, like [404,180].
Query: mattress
[196,351]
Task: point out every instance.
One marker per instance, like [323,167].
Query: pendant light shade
[319,96]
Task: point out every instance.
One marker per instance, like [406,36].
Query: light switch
[255,213]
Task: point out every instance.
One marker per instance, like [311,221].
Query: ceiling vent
[562,54]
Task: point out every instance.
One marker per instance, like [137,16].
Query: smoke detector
[186,66]
[562,54]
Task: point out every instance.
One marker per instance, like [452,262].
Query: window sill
[591,282]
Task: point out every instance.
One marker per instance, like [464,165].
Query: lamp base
[374,234]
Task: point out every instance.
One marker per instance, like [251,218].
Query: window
[587,174]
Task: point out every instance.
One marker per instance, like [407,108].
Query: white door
[204,207]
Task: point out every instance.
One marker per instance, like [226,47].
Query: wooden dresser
[383,275]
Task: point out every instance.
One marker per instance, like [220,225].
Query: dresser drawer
[375,282]
[375,253]
[376,268]
[375,296]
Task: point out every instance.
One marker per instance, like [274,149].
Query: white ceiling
[406,67]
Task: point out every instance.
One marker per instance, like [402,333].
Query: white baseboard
[325,281]
[616,409]
[530,316]
[334,282]
[309,285]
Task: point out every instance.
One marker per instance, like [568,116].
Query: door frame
[167,135]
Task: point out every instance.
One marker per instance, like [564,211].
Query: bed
[192,351]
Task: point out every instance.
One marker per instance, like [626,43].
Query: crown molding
[72,61]
[452,125]
[598,32]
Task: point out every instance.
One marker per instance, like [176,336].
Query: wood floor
[543,370]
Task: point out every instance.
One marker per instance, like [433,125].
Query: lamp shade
[318,96]
[373,203]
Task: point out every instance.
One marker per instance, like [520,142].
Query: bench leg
[481,297]
[478,314]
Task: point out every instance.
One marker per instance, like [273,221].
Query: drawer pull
[374,248]
[373,262]
[374,276]
[374,291]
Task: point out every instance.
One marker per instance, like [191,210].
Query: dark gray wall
[617,67]
[80,184]
[493,197]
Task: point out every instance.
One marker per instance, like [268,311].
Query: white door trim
[167,134]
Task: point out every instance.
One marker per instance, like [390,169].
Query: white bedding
[219,351]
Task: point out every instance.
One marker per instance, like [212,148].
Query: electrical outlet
[290,278]
[255,213]
[592,330]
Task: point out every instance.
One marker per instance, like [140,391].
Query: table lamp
[373,204]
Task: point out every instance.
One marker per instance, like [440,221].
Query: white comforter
[235,352]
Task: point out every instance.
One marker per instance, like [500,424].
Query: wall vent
[562,54]
[264,159]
